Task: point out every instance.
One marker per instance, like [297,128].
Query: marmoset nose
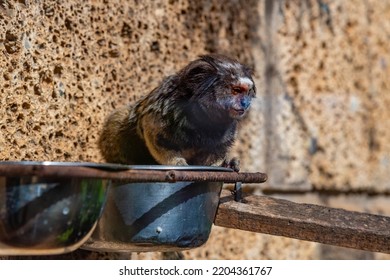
[245,102]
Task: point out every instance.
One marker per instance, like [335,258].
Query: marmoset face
[233,88]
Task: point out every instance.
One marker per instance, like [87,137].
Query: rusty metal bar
[133,175]
[305,221]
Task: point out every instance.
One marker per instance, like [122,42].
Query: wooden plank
[305,221]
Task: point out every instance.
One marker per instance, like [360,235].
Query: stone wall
[330,95]
[318,126]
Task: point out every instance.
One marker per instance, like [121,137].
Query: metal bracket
[237,191]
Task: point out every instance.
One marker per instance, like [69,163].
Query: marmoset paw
[180,161]
[233,163]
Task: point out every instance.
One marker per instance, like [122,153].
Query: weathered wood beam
[305,221]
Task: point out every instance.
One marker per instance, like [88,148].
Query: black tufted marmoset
[189,119]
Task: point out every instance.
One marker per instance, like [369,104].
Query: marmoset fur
[189,119]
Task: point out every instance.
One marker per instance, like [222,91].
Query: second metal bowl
[157,216]
[50,213]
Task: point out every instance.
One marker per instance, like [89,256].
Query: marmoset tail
[189,119]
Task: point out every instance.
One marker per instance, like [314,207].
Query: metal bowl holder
[122,173]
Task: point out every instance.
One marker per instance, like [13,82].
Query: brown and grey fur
[190,119]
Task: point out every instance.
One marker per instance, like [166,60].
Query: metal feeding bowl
[156,216]
[48,207]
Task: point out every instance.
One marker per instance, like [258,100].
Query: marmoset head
[218,85]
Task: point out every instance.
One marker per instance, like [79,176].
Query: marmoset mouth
[237,112]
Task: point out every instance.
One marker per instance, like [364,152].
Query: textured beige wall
[330,95]
[66,65]
[319,125]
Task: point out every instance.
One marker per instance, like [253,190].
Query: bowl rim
[115,166]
